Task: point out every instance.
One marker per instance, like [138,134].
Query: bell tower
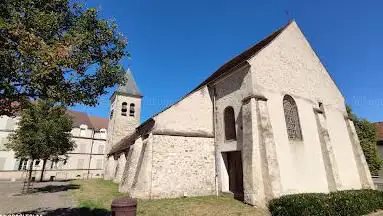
[125,111]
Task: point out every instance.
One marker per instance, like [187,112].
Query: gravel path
[46,197]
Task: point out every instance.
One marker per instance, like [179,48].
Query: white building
[86,161]
[269,122]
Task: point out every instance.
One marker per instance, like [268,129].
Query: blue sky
[177,44]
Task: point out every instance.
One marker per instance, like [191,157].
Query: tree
[367,134]
[56,49]
[43,133]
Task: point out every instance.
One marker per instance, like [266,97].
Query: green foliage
[56,49]
[342,203]
[43,132]
[368,140]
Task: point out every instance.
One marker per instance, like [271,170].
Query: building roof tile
[93,122]
[379,130]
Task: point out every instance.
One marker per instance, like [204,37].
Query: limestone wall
[137,175]
[121,126]
[229,92]
[289,66]
[162,166]
[301,162]
[120,168]
[182,166]
[193,114]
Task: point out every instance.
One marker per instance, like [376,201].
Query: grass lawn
[98,194]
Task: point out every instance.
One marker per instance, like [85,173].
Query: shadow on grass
[66,211]
[49,189]
[55,188]
[61,180]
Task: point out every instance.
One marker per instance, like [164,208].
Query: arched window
[132,109]
[292,118]
[124,108]
[229,121]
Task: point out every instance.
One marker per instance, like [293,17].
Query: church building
[269,122]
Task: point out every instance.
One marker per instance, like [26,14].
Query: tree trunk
[29,175]
[42,170]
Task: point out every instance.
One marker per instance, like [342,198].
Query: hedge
[341,203]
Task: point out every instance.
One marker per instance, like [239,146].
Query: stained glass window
[292,118]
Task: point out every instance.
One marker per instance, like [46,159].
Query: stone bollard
[124,206]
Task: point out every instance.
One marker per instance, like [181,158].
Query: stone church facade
[269,122]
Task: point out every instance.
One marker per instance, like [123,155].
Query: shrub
[341,203]
[367,135]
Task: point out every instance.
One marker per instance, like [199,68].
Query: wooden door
[235,174]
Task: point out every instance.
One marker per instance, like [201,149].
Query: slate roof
[130,87]
[93,122]
[379,130]
[221,71]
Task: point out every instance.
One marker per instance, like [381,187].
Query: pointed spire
[130,87]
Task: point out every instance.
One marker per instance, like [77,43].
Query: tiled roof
[99,122]
[379,130]
[94,122]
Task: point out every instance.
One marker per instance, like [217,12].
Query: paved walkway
[47,198]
